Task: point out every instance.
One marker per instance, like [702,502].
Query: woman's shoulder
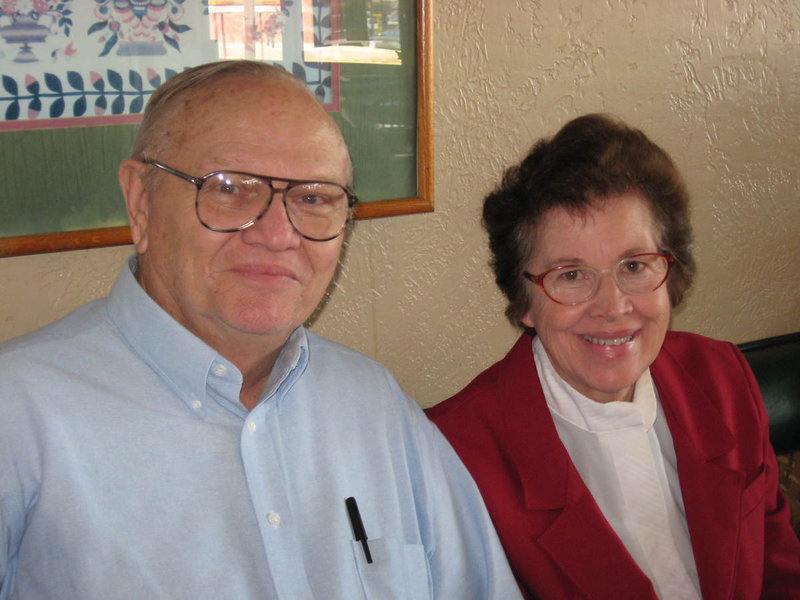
[712,364]
[693,341]
[492,392]
[474,398]
[692,348]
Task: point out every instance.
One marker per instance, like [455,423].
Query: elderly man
[186,437]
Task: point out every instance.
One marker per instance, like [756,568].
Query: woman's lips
[608,341]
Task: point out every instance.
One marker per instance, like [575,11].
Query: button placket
[261,454]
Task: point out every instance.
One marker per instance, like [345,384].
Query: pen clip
[358,526]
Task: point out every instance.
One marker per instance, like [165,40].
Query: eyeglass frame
[198,182]
[539,279]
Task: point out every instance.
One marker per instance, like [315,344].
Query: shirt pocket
[398,571]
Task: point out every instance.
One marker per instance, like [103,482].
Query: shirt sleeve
[17,491]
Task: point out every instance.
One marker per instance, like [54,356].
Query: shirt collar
[193,370]
[290,364]
[575,408]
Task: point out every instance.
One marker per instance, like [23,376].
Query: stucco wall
[717,83]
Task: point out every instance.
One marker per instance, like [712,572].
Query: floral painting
[78,62]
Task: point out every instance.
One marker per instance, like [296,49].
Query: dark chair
[776,364]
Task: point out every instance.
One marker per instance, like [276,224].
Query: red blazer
[558,542]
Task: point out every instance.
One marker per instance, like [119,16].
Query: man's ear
[137,200]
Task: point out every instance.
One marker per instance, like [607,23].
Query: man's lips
[264,272]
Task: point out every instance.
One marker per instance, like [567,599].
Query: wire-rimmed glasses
[230,201]
[634,275]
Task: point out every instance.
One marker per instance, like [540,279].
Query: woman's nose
[609,301]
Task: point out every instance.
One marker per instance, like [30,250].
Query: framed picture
[75,76]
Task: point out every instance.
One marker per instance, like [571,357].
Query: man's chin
[255,321]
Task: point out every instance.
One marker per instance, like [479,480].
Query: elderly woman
[618,459]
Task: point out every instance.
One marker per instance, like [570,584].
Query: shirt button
[219,370]
[251,426]
[197,405]
[274,519]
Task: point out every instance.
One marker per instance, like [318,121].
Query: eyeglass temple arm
[197,181]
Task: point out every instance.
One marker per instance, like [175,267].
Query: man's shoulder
[70,344]
[81,323]
[52,365]
[323,351]
[339,369]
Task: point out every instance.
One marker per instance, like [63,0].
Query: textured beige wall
[717,83]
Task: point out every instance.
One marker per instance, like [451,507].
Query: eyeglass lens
[635,275]
[231,201]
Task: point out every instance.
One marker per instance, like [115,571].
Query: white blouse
[625,456]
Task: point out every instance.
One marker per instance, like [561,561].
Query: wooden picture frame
[415,27]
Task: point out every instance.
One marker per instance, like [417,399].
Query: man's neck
[254,354]
[250,397]
[255,364]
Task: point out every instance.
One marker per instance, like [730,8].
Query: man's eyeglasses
[635,275]
[229,201]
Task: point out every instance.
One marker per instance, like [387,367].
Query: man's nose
[273,228]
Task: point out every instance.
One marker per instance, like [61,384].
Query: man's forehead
[237,124]
[231,89]
[241,100]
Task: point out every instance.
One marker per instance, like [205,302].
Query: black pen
[358,527]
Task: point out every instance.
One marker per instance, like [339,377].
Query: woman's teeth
[608,341]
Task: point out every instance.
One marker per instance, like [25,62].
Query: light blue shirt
[129,469]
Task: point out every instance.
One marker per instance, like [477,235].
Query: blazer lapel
[578,538]
[711,492]
[532,441]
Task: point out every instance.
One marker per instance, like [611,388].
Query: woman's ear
[527,320]
[137,200]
